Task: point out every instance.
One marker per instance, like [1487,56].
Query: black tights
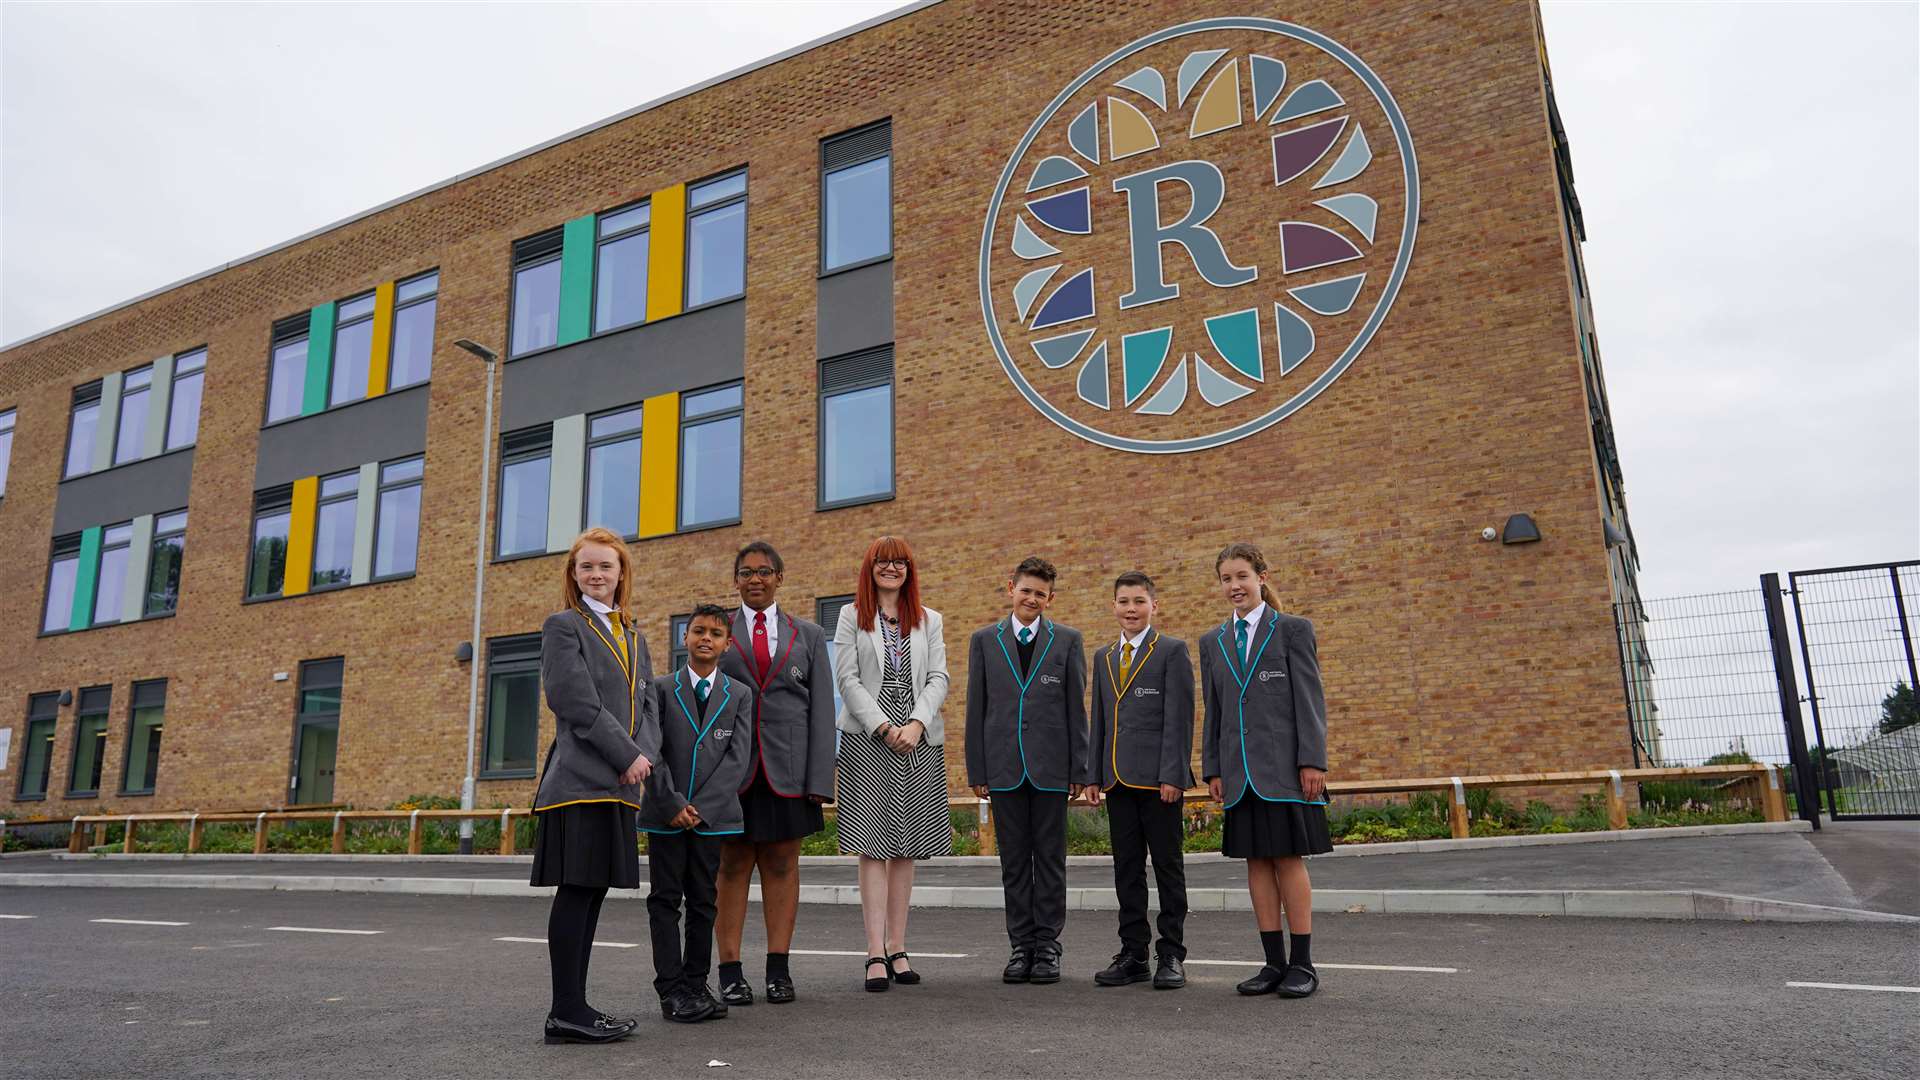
[570,926]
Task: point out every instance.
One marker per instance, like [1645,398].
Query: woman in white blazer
[890,663]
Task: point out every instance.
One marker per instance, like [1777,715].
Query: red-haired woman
[606,741]
[890,663]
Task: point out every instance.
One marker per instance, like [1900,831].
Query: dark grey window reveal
[716,239]
[6,447]
[613,471]
[513,706]
[856,428]
[352,349]
[396,523]
[84,420]
[63,570]
[316,736]
[414,304]
[526,467]
[163,563]
[145,720]
[272,519]
[287,379]
[536,292]
[333,522]
[89,741]
[110,584]
[36,754]
[130,432]
[620,267]
[183,405]
[710,433]
[826,612]
[677,642]
[856,197]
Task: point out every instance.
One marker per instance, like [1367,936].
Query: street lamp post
[479,589]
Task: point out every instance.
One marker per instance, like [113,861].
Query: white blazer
[858,668]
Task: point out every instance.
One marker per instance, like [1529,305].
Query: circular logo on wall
[1199,234]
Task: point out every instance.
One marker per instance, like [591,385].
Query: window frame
[80,718]
[600,242]
[526,451]
[821,605]
[9,420]
[285,332]
[677,641]
[153,546]
[67,546]
[517,263]
[120,414]
[586,463]
[399,305]
[173,397]
[516,664]
[341,326]
[320,503]
[825,171]
[94,621]
[381,486]
[686,254]
[272,502]
[50,717]
[126,754]
[822,395]
[85,396]
[680,481]
[300,723]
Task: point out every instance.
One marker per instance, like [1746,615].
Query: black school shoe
[563,1031]
[1126,968]
[779,990]
[1046,964]
[684,1007]
[1264,981]
[705,993]
[1170,973]
[1299,982]
[1019,965]
[736,993]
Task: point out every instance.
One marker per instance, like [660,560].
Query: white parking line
[19,916]
[1857,986]
[597,944]
[914,955]
[1336,967]
[323,930]
[140,922]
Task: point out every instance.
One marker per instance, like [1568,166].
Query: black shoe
[684,1007]
[736,993]
[1299,982]
[1264,981]
[1126,968]
[1019,966]
[563,1031]
[779,990]
[1170,973]
[879,985]
[615,1021]
[1046,965]
[908,977]
[704,993]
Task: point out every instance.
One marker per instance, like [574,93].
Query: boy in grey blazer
[1026,748]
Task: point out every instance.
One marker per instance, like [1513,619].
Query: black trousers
[1140,823]
[1031,828]
[681,868]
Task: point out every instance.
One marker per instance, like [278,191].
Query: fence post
[260,833]
[1805,783]
[193,834]
[988,845]
[99,833]
[339,833]
[506,832]
[1616,801]
[1773,802]
[76,837]
[413,833]
[127,847]
[3,834]
[1457,812]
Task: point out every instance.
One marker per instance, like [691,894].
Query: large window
[287,382]
[717,239]
[272,523]
[352,349]
[856,428]
[89,741]
[526,466]
[316,737]
[183,406]
[80,429]
[130,436]
[513,706]
[110,587]
[710,427]
[62,574]
[856,197]
[415,300]
[536,292]
[36,757]
[620,274]
[677,642]
[163,565]
[144,723]
[333,529]
[613,471]
[396,532]
[6,447]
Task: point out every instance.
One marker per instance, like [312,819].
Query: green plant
[1087,831]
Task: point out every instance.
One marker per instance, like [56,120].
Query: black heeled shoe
[875,986]
[565,1031]
[908,977]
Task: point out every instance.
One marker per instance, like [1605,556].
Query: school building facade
[1114,284]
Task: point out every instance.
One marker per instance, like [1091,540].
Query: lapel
[1133,673]
[625,664]
[719,692]
[917,651]
[1242,673]
[1039,654]
[876,641]
[742,633]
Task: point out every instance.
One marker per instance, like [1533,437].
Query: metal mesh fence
[1857,628]
[1699,680]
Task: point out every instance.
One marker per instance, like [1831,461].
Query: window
[110,586]
[677,641]
[80,431]
[272,522]
[316,731]
[287,382]
[620,275]
[36,756]
[710,457]
[333,529]
[131,434]
[513,705]
[856,197]
[396,530]
[613,471]
[183,407]
[827,610]
[414,303]
[89,741]
[536,292]
[163,565]
[856,428]
[144,722]
[62,574]
[526,466]
[6,447]
[352,350]
[717,239]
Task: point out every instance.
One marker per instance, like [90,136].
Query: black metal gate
[1857,626]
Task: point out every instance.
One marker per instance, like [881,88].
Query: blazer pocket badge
[1265,675]
[1044,679]
[1143,691]
[794,672]
[723,733]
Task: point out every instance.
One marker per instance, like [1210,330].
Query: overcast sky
[1750,177]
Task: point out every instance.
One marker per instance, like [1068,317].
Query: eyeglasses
[748,573]
[891,564]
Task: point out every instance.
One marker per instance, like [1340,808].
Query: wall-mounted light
[1615,538]
[463,652]
[1519,529]
[66,697]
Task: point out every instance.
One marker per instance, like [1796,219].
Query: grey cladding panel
[856,310]
[377,429]
[685,352]
[152,486]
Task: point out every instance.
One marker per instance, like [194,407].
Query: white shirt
[1253,625]
[1019,626]
[773,628]
[599,609]
[1136,639]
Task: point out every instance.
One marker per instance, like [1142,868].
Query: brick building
[1111,283]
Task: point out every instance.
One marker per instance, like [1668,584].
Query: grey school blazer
[793,706]
[705,754]
[858,669]
[1265,718]
[603,719]
[1031,730]
[1143,726]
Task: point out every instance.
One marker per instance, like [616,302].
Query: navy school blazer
[1143,727]
[1267,717]
[706,753]
[793,706]
[603,720]
[1031,730]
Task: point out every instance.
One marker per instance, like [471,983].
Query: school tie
[700,691]
[1026,635]
[619,636]
[762,655]
[1126,661]
[1240,638]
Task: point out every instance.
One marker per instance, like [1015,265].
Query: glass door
[316,732]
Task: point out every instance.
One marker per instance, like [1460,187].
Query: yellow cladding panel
[659,463]
[666,253]
[306,498]
[382,339]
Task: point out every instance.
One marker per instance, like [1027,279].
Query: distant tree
[1731,757]
[1899,708]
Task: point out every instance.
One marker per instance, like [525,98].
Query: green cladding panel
[319,359]
[576,280]
[87,580]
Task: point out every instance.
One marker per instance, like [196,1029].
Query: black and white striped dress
[893,806]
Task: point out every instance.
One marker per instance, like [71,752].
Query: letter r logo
[1146,235]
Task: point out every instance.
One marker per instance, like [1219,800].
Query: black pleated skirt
[772,817]
[593,845]
[1258,829]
